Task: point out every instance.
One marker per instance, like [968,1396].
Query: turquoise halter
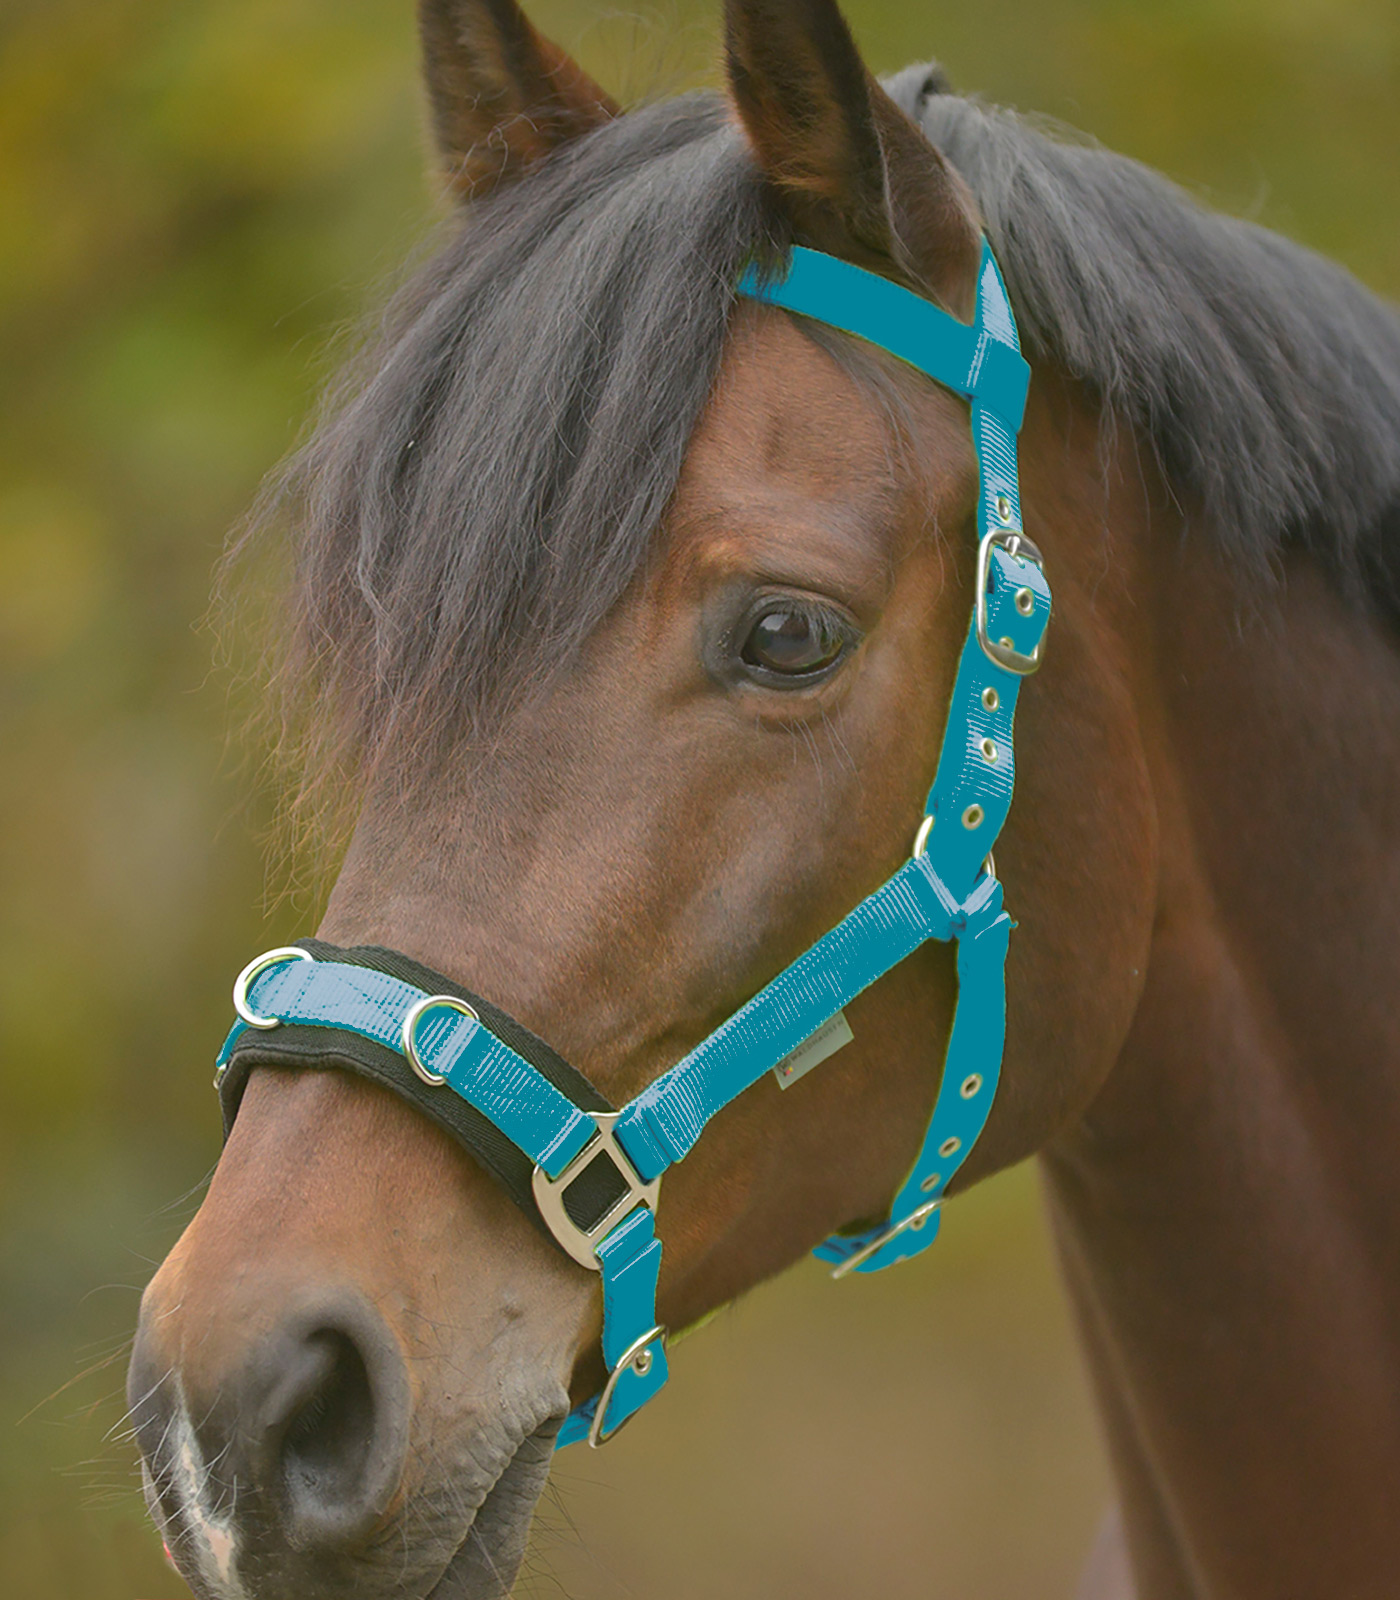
[595,1173]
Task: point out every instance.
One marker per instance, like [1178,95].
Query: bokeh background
[195,199]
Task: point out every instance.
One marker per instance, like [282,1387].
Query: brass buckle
[549,1193]
[1001,651]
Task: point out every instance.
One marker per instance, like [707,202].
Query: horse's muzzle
[271,1474]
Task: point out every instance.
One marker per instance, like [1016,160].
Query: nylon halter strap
[594,1173]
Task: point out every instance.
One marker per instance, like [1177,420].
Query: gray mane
[485,484]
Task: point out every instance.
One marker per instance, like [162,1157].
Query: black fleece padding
[299,1046]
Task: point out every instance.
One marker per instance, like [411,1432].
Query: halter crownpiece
[589,1173]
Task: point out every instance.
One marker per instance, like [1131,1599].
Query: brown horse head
[629,614]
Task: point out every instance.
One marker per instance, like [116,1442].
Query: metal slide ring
[270,958]
[410,1024]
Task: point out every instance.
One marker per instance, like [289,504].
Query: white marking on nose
[209,1535]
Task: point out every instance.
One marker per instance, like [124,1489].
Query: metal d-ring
[410,1023]
[241,984]
[630,1357]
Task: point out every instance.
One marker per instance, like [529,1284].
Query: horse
[624,611]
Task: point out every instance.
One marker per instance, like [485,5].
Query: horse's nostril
[271,1458]
[331,1437]
[328,1403]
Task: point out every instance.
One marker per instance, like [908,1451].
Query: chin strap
[593,1173]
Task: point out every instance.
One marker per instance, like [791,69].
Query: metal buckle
[410,1023]
[916,1219]
[632,1357]
[1000,651]
[549,1193]
[270,958]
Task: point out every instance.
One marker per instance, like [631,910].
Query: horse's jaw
[486,1562]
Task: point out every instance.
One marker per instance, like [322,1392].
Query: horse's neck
[1229,1209]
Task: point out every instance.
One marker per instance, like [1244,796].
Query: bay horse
[624,613]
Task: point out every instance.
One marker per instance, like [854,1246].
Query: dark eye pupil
[789,641]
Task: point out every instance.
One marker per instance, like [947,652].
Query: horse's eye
[793,641]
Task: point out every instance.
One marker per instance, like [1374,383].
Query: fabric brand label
[814,1049]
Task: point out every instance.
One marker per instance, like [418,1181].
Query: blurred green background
[194,199]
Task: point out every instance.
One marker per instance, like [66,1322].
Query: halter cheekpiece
[589,1173]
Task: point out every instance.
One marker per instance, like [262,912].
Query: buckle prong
[916,1219]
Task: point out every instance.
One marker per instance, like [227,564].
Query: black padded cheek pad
[301,1047]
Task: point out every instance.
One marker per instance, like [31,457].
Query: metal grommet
[989,749]
[241,984]
[950,1147]
[990,698]
[972,817]
[1003,508]
[641,1363]
[970,1085]
[410,1024]
[930,1183]
[1025,602]
[921,837]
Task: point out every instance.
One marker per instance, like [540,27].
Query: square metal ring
[579,1243]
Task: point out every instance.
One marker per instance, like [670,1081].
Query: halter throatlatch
[589,1173]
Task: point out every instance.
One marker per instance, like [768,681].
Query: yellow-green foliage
[194,196]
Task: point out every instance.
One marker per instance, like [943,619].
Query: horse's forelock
[486,481]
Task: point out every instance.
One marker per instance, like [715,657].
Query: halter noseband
[589,1173]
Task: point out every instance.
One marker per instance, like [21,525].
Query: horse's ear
[857,177]
[502,96]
